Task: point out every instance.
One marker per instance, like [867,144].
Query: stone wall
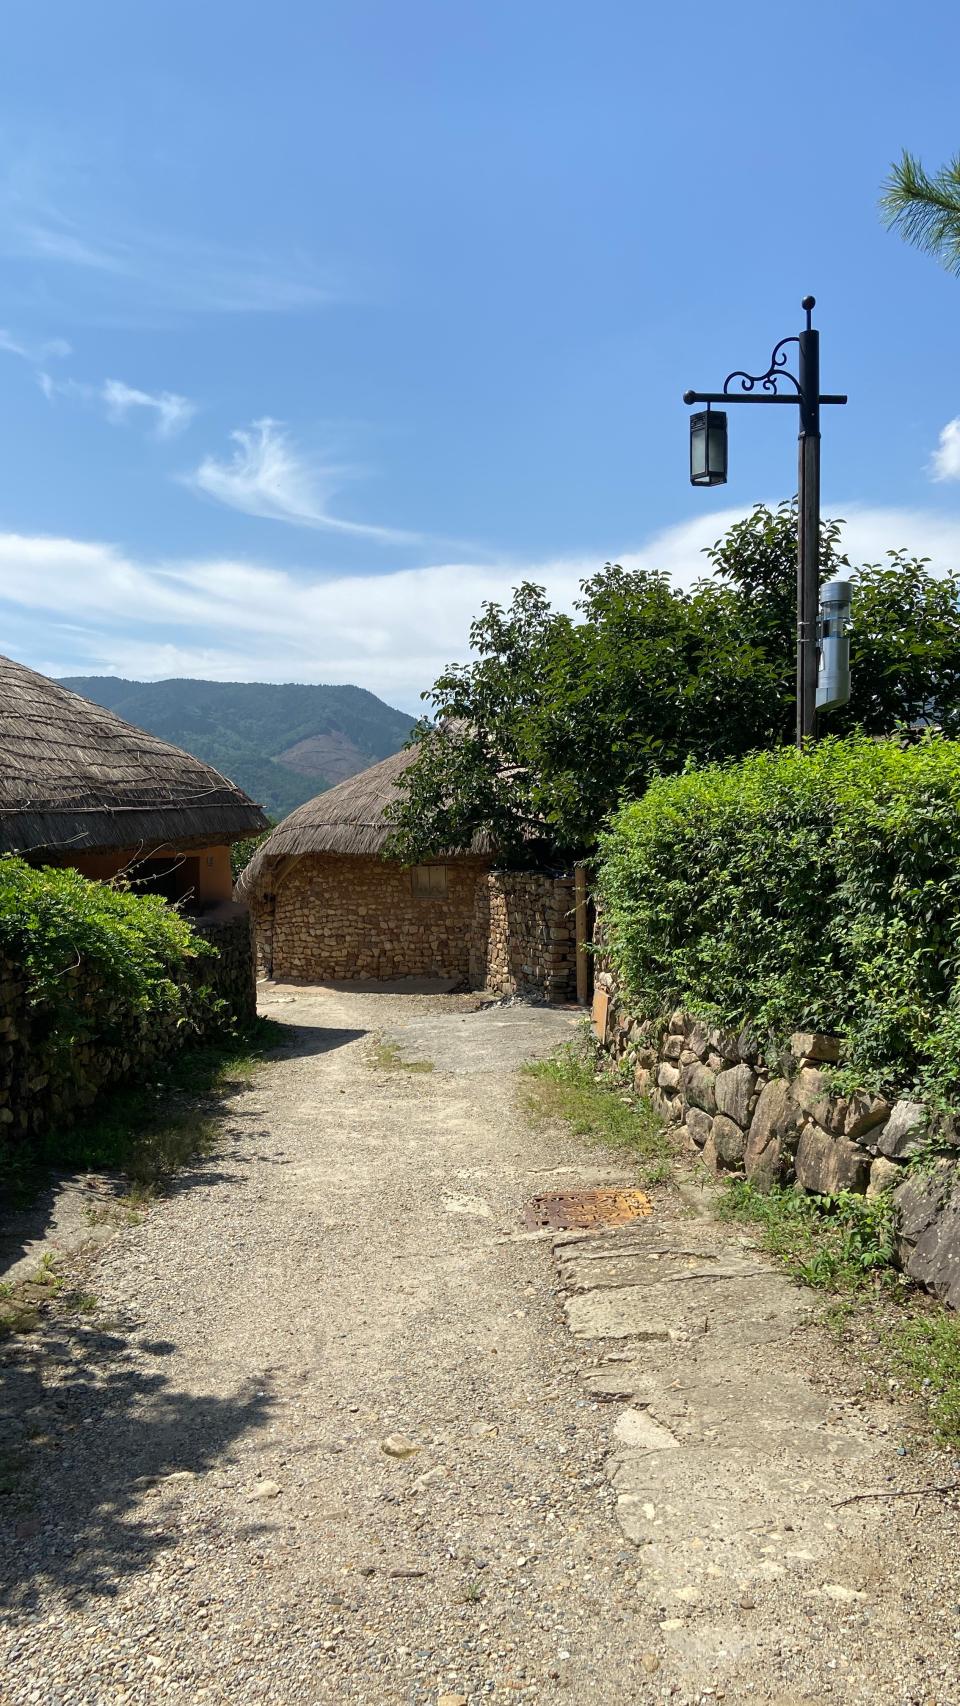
[42,1083]
[337,917]
[233,974]
[324,917]
[526,937]
[773,1118]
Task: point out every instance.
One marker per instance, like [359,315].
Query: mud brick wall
[769,1114]
[526,932]
[43,1081]
[337,917]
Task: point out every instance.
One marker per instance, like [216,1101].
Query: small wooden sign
[601,1004]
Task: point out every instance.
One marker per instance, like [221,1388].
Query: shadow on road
[88,1423]
[302,1040]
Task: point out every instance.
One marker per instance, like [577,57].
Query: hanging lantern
[708,448]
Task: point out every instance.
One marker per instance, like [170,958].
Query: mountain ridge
[282,742]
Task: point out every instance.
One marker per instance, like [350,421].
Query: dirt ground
[342,1429]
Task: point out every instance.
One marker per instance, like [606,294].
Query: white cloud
[165,270]
[46,242]
[92,609]
[267,476]
[49,349]
[173,412]
[945,462]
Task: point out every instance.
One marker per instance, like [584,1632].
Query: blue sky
[321,323]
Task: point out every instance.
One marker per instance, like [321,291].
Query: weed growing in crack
[386,1057]
[568,1087]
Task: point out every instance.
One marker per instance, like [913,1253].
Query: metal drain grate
[603,1206]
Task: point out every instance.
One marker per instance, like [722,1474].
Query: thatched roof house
[328,906]
[79,786]
[349,820]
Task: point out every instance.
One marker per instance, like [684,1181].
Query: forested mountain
[282,744]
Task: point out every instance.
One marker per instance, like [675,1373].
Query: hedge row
[129,948]
[815,890]
[96,984]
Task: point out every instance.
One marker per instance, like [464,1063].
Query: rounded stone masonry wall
[776,1120]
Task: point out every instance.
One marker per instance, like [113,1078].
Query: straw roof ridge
[349,819]
[75,777]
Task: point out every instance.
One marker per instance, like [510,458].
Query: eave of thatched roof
[75,778]
[349,820]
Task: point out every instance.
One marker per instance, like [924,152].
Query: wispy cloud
[46,242]
[168,270]
[267,476]
[172,411]
[945,462]
[77,607]
[48,349]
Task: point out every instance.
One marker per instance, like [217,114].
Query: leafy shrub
[242,851]
[802,890]
[93,956]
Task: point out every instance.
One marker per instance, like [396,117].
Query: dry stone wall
[774,1119]
[525,929]
[337,917]
[323,917]
[43,1081]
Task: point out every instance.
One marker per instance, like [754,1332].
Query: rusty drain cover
[603,1206]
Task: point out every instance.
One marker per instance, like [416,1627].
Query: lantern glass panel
[708,448]
[717,448]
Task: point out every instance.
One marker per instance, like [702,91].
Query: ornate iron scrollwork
[767,381]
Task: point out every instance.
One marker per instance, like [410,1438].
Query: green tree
[924,209]
[559,718]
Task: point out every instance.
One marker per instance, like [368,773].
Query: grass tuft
[842,1243]
[925,1352]
[568,1087]
[386,1057]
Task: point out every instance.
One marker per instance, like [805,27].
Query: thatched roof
[349,819]
[75,778]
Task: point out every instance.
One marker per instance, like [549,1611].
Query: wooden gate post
[582,929]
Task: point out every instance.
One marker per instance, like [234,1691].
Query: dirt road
[339,1430]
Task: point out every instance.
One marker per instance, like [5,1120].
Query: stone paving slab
[730,1466]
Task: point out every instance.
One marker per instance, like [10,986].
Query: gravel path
[328,1436]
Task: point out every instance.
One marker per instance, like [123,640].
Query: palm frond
[924,209]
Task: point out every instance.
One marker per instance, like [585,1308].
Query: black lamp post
[708,467]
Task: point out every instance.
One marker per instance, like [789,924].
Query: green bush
[93,956]
[802,890]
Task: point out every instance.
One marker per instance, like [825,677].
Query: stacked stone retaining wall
[42,1082]
[771,1116]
